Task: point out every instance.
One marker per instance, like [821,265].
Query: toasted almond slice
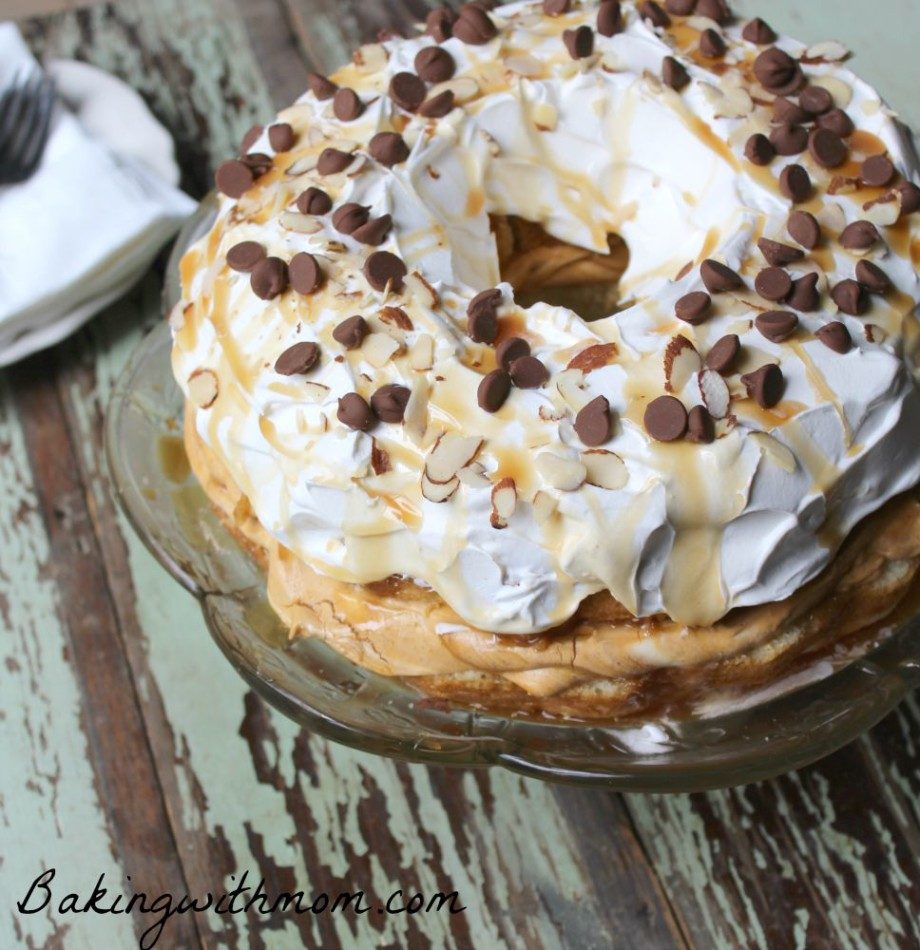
[415,418]
[681,363]
[301,166]
[451,453]
[465,89]
[544,506]
[774,450]
[715,393]
[841,92]
[605,469]
[314,392]
[203,388]
[832,217]
[301,223]
[883,213]
[421,353]
[379,348]
[474,475]
[504,501]
[419,288]
[593,357]
[523,64]
[439,492]
[828,51]
[564,474]
[569,384]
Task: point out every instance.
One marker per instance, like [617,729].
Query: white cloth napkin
[88,224]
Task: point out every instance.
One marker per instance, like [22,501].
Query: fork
[26,108]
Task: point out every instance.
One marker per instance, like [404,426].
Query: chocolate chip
[439,24]
[579,42]
[701,427]
[482,316]
[389,402]
[556,7]
[876,171]
[609,18]
[776,325]
[347,218]
[234,178]
[680,7]
[765,385]
[838,122]
[665,419]
[803,227]
[281,137]
[910,197]
[777,254]
[816,100]
[269,278]
[493,390]
[827,148]
[351,332]
[305,273]
[407,91]
[474,26]
[250,138]
[872,277]
[320,86]
[693,307]
[592,422]
[527,372]
[437,106]
[835,336]
[717,10]
[258,163]
[333,160]
[722,354]
[789,139]
[795,183]
[712,46]
[786,111]
[859,236]
[759,149]
[758,32]
[776,70]
[375,231]
[244,256]
[805,297]
[510,350]
[674,74]
[652,11]
[299,358]
[851,297]
[434,64]
[773,283]
[383,268]
[314,201]
[718,278]
[347,105]
[355,413]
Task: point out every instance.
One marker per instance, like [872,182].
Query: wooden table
[128,746]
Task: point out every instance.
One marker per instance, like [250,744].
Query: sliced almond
[421,353]
[439,492]
[828,51]
[396,317]
[379,348]
[301,223]
[883,213]
[545,116]
[380,458]
[465,89]
[841,92]
[419,288]
[831,216]
[504,501]
[544,506]
[525,65]
[681,363]
[415,418]
[715,393]
[313,392]
[593,357]
[774,450]
[451,453]
[605,469]
[302,166]
[569,384]
[370,58]
[474,475]
[564,474]
[549,414]
[203,388]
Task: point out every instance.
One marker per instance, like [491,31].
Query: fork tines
[26,109]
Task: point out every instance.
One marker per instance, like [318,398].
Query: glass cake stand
[745,739]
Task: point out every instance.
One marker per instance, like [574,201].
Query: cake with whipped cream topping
[565,355]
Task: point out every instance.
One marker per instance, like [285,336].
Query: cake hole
[543,269]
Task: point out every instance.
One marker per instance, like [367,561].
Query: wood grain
[120,714]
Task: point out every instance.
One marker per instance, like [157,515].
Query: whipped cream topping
[584,148]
